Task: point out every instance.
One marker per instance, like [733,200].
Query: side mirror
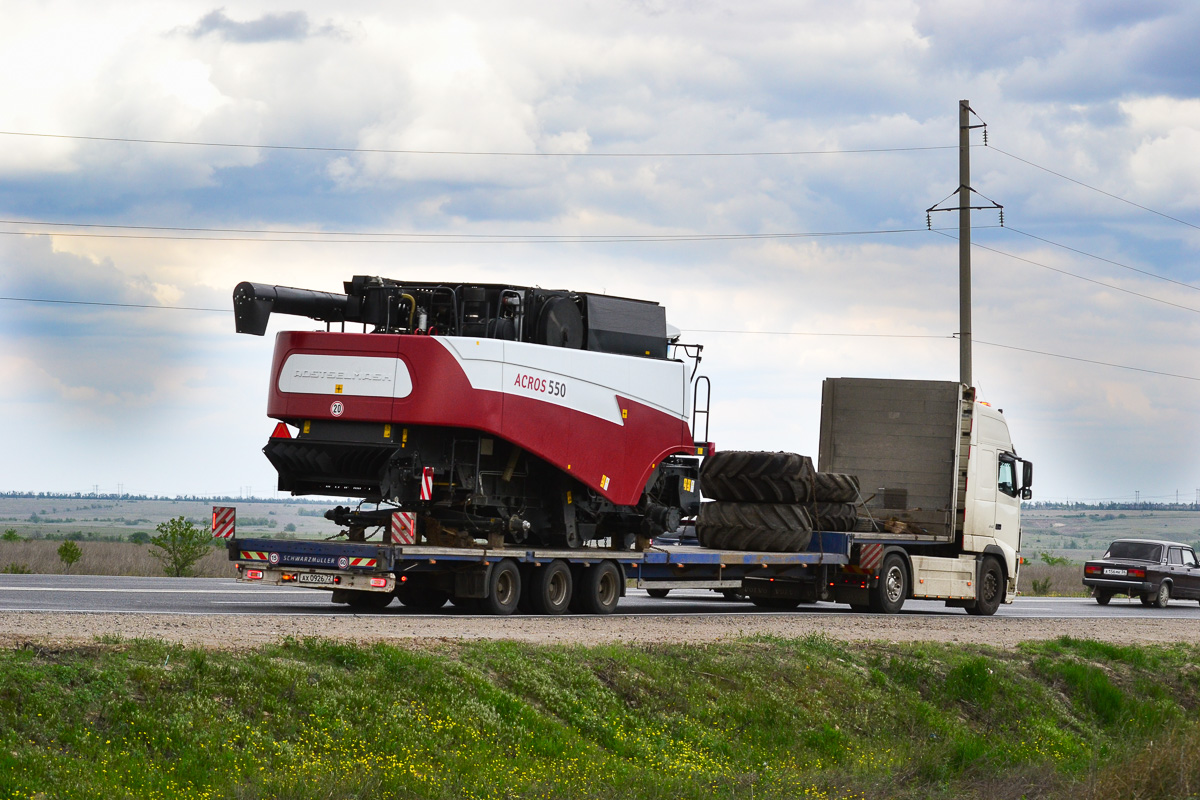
[1026,476]
[1026,493]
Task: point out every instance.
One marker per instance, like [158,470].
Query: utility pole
[964,243]
[964,192]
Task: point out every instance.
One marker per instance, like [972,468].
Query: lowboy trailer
[522,448]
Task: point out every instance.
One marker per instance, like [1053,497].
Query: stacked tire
[771,501]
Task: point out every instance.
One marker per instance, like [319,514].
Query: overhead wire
[1072,274]
[361,237]
[397,151]
[1093,188]
[1105,260]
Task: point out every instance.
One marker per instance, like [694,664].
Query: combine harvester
[517,448]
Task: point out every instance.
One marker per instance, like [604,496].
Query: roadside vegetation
[761,718]
[42,556]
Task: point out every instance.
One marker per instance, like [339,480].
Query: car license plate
[314,577]
[1111,571]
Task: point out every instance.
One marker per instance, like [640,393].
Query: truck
[515,448]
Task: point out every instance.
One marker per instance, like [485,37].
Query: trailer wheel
[771,527]
[754,477]
[778,603]
[599,589]
[550,589]
[991,589]
[888,597]
[658,593]
[372,601]
[504,589]
[421,598]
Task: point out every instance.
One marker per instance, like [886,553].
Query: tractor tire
[739,476]
[768,527]
[833,516]
[835,487]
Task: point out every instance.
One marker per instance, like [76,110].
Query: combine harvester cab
[512,413]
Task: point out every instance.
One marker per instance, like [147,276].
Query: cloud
[289,26]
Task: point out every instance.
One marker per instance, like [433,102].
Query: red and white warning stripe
[427,483]
[404,527]
[870,556]
[361,563]
[223,523]
[253,555]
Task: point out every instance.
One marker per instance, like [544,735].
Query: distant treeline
[1051,506]
[198,498]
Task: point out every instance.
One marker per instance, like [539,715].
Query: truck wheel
[599,589]
[990,589]
[771,527]
[835,487]
[1102,597]
[550,589]
[741,476]
[658,593]
[504,589]
[421,598]
[888,597]
[1164,595]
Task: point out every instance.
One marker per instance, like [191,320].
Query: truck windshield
[1137,551]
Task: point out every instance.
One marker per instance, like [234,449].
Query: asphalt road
[220,596]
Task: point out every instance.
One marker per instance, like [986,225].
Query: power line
[1106,260]
[1095,189]
[1073,275]
[325,149]
[1087,360]
[814,333]
[111,305]
[688,330]
[326,237]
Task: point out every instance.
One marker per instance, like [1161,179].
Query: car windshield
[1137,551]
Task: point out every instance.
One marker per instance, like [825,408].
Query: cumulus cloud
[1103,92]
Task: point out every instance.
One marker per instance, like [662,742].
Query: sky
[765,167]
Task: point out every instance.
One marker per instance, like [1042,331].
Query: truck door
[1008,503]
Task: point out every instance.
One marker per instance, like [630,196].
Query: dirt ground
[18,629]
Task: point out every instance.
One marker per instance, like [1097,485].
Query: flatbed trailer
[370,574]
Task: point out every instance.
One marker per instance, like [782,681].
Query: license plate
[1110,571]
[314,577]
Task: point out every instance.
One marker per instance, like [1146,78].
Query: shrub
[179,545]
[15,569]
[10,535]
[139,537]
[69,553]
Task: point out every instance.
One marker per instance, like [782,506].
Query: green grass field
[761,718]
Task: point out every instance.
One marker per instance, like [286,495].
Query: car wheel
[658,593]
[1103,597]
[1164,595]
[1147,599]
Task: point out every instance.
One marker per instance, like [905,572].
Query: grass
[762,718]
[101,558]
[1055,580]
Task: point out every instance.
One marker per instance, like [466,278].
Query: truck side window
[1007,481]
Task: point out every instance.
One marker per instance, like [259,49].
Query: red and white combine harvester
[518,447]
